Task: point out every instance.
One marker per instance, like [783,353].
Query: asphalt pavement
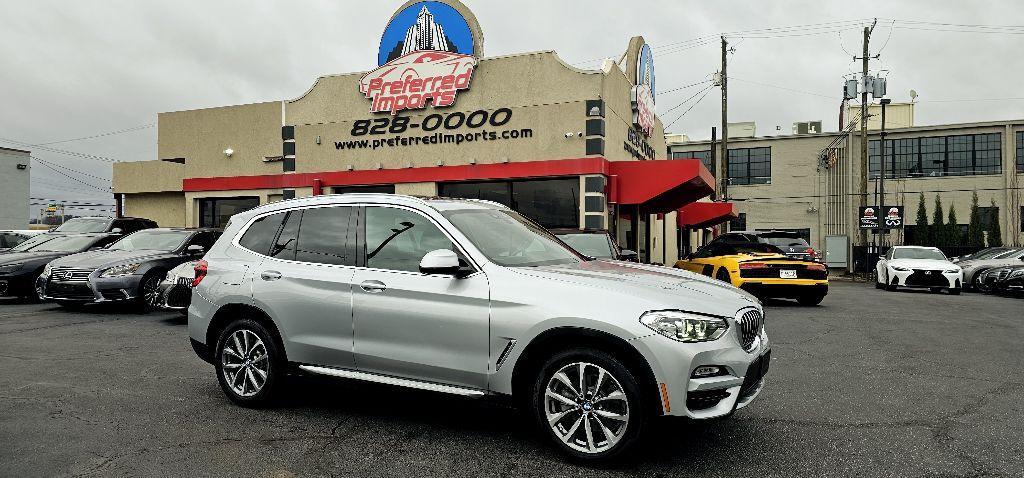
[871,383]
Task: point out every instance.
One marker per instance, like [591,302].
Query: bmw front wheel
[589,404]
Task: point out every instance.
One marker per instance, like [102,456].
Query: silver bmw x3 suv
[470,298]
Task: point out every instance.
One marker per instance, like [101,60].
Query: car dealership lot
[870,383]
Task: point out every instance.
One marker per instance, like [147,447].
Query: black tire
[809,300]
[879,284]
[637,411]
[275,365]
[954,291]
[152,280]
[888,286]
[723,275]
[34,296]
[935,290]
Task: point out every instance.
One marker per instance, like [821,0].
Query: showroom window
[553,203]
[961,155]
[750,166]
[215,212]
[397,239]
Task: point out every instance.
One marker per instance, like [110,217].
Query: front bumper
[707,397]
[94,290]
[16,285]
[925,278]
[174,294]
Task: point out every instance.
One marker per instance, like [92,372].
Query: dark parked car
[129,270]
[9,239]
[986,253]
[22,265]
[123,225]
[1007,280]
[791,243]
[594,243]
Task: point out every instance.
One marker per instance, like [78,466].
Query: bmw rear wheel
[589,404]
[248,362]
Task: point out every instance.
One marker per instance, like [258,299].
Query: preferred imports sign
[885,217]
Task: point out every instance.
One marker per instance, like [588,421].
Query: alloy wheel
[150,290]
[586,407]
[244,363]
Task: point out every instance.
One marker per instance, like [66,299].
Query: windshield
[31,242]
[511,240]
[992,253]
[918,253]
[152,240]
[593,245]
[79,224]
[755,248]
[1010,254]
[65,244]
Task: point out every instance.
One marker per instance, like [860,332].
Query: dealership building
[809,182]
[568,147]
[14,182]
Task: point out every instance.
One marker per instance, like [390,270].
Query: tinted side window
[397,239]
[284,248]
[323,236]
[261,233]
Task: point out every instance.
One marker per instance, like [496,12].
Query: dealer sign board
[643,92]
[426,56]
[886,217]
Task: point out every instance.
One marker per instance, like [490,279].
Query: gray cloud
[76,68]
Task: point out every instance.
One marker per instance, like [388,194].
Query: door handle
[373,286]
[270,275]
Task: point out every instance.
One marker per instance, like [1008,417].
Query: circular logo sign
[425,26]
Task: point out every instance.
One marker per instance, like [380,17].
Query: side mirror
[440,261]
[195,250]
[628,255]
[96,248]
[116,230]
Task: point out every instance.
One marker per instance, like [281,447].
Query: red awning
[660,186]
[699,215]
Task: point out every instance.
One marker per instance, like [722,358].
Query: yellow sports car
[761,269]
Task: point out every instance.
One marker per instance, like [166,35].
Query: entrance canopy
[659,186]
[699,215]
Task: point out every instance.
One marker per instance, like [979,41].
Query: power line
[708,90]
[66,168]
[62,173]
[62,151]
[687,100]
[100,135]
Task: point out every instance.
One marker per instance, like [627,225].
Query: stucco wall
[14,183]
[148,176]
[167,209]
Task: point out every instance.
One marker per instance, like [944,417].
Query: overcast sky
[78,68]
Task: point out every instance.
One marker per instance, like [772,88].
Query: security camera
[568,135]
[228,152]
[580,134]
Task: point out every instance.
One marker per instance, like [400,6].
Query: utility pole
[724,155]
[713,157]
[865,57]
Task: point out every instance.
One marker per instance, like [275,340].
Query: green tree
[975,234]
[922,236]
[953,236]
[995,233]
[938,228]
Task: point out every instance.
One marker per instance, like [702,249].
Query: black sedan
[130,270]
[24,263]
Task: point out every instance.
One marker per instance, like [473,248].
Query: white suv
[470,298]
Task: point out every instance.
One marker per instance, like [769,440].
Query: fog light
[706,371]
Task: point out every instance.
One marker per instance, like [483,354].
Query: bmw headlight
[684,326]
[901,269]
[121,270]
[9,268]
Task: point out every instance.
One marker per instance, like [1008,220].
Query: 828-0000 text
[454,120]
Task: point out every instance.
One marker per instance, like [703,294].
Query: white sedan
[919,267]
